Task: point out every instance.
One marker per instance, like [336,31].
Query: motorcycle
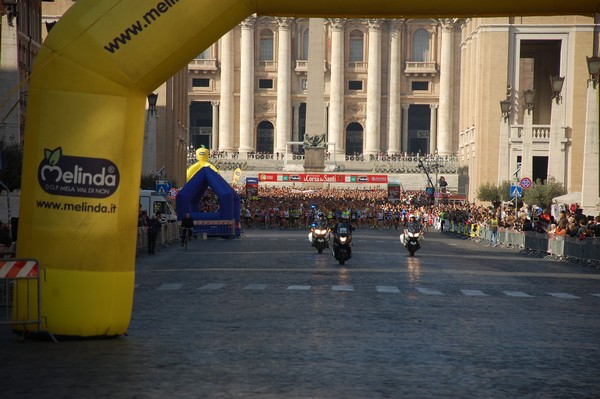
[319,237]
[411,238]
[342,244]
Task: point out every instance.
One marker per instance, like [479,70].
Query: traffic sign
[525,183]
[163,187]
[516,191]
[173,193]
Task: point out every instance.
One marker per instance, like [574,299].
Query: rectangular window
[266,49]
[303,84]
[420,86]
[265,83]
[355,85]
[198,82]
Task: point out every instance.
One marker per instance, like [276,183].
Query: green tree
[148,182]
[489,192]
[11,165]
[541,194]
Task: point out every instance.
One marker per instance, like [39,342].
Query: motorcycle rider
[343,223]
[412,225]
[319,223]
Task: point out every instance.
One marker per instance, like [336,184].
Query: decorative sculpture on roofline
[314,141]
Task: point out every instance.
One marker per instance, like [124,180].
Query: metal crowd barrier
[169,232]
[220,228]
[19,280]
[561,246]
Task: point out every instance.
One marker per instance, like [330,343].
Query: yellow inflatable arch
[85,121]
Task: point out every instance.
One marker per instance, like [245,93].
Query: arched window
[354,139]
[266,45]
[356,46]
[264,137]
[304,52]
[420,45]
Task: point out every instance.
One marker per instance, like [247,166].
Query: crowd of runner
[292,208]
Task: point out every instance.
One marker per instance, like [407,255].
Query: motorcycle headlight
[343,239]
[321,232]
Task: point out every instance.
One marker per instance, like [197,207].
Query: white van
[152,202]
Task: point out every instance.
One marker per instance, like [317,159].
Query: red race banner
[321,178]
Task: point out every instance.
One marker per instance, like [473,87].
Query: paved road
[265,316]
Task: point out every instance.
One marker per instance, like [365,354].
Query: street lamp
[556,82]
[505,108]
[529,95]
[593,64]
[152,98]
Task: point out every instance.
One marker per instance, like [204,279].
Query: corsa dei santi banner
[322,178]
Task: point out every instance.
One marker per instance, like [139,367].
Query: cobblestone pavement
[265,316]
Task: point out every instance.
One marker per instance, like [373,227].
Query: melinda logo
[77,176]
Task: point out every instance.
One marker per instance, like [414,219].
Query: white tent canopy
[570,198]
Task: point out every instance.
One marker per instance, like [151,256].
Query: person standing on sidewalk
[154,227]
[494,230]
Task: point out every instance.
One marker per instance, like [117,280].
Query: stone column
[394,119]
[215,125]
[9,79]
[284,84]
[444,140]
[247,87]
[223,136]
[373,89]
[405,108]
[433,129]
[590,202]
[336,86]
[556,153]
[315,93]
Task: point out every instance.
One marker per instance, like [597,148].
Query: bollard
[204,236]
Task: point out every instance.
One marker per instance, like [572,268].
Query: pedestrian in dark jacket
[153,229]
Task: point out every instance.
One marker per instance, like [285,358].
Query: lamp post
[149,157]
[556,153]
[593,64]
[152,99]
[527,136]
[503,150]
[556,82]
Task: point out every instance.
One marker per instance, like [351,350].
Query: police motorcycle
[342,240]
[412,236]
[319,233]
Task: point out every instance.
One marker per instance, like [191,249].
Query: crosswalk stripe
[211,287]
[388,289]
[342,288]
[518,294]
[299,287]
[473,293]
[169,287]
[429,291]
[255,287]
[562,295]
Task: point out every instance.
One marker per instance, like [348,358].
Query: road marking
[473,293]
[169,287]
[518,294]
[562,295]
[211,287]
[598,295]
[387,289]
[342,288]
[255,287]
[300,287]
[429,291]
